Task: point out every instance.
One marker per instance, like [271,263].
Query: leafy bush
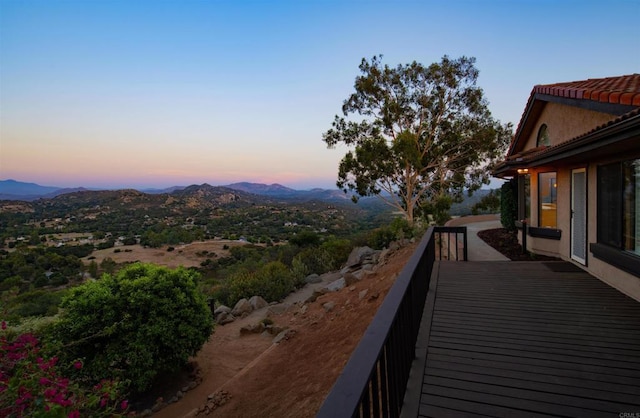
[509,205]
[488,204]
[129,241]
[401,228]
[305,239]
[31,385]
[299,270]
[439,208]
[273,281]
[381,237]
[32,304]
[107,244]
[78,251]
[134,325]
[316,260]
[339,250]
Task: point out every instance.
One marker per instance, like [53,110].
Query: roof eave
[537,100]
[626,132]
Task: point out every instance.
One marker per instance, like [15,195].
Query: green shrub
[509,205]
[488,204]
[439,208]
[401,228]
[305,239]
[33,304]
[272,281]
[134,325]
[381,237]
[299,270]
[317,260]
[339,250]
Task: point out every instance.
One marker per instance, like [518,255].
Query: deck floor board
[517,339]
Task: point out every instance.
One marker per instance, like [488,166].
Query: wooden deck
[528,339]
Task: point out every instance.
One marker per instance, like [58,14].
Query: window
[524,197]
[543,136]
[619,205]
[547,199]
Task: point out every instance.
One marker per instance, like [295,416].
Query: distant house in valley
[576,159]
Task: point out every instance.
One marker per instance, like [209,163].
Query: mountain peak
[259,188]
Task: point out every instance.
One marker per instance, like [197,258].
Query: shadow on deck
[525,339]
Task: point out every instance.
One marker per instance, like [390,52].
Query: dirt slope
[292,378]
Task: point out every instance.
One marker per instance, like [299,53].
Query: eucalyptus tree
[416,134]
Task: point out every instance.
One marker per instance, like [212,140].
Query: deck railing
[374,380]
[445,236]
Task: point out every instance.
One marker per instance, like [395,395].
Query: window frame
[553,194]
[543,136]
[610,242]
[524,197]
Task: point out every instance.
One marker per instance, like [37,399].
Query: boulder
[315,295]
[284,335]
[252,329]
[368,267]
[278,309]
[221,309]
[242,307]
[336,285]
[224,318]
[359,255]
[384,254]
[257,302]
[331,276]
[329,306]
[350,278]
[313,278]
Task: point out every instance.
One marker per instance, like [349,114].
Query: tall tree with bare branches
[416,134]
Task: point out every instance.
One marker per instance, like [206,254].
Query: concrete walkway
[478,250]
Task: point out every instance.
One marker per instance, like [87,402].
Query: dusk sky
[114,94]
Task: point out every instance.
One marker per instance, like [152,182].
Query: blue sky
[162,93]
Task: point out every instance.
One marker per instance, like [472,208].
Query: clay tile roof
[527,156]
[623,89]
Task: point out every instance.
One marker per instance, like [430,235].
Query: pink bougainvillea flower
[77,365]
[4,325]
[74,414]
[124,404]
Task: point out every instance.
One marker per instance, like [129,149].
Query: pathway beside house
[477,249]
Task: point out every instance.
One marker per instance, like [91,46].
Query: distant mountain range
[17,190]
[202,195]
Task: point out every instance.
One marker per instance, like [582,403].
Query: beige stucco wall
[616,278]
[625,282]
[543,246]
[565,122]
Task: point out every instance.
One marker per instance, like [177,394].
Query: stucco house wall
[565,122]
[590,123]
